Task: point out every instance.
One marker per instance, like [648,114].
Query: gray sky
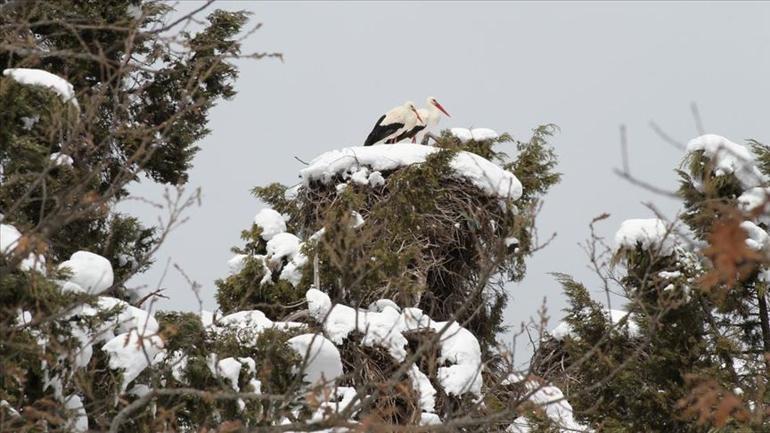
[508,66]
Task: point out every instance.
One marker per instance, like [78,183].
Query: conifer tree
[95,95]
[138,108]
[689,352]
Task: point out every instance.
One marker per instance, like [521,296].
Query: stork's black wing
[381,131]
[410,133]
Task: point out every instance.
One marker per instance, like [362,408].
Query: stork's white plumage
[394,123]
[430,115]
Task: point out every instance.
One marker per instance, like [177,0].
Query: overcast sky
[587,67]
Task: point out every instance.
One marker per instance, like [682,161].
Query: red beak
[418,116]
[441,108]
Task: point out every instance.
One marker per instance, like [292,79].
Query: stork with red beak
[394,123]
[431,116]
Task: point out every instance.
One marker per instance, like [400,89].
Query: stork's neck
[433,115]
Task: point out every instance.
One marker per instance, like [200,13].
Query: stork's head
[432,101]
[410,105]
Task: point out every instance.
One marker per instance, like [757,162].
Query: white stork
[394,123]
[431,116]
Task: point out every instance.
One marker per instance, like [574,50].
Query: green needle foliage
[144,91]
[690,356]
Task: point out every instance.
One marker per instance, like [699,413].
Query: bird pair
[405,121]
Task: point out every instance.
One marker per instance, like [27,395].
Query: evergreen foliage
[695,359]
[142,105]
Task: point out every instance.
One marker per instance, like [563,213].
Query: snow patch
[60,159]
[292,271]
[358,220]
[129,318]
[424,389]
[178,363]
[485,175]
[236,263]
[30,122]
[650,234]
[376,179]
[132,353]
[9,240]
[669,275]
[283,249]
[227,368]
[39,77]
[756,238]
[475,134]
[361,176]
[79,420]
[248,325]
[385,328]
[753,199]
[91,273]
[552,401]
[271,222]
[728,158]
[321,359]
[282,245]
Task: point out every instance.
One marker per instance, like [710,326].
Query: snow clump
[649,234]
[39,77]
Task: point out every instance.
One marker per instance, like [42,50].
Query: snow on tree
[367,297]
[94,95]
[689,354]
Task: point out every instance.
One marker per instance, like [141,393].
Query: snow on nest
[650,234]
[563,329]
[425,390]
[271,222]
[482,173]
[9,240]
[552,401]
[39,77]
[728,158]
[321,359]
[386,327]
[90,273]
[476,134]
[332,402]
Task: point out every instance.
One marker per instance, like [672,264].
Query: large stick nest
[429,240]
